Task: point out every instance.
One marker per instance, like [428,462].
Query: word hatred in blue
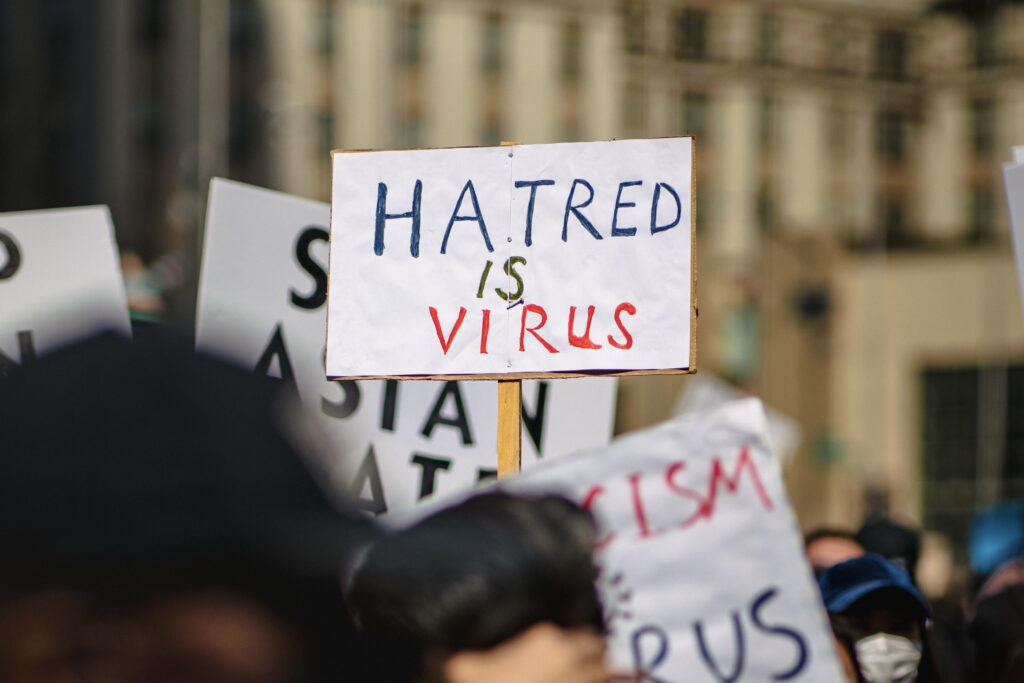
[580,196]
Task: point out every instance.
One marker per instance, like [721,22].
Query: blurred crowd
[162,521]
[885,627]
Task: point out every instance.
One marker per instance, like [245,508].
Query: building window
[572,50]
[837,130]
[243,132]
[768,47]
[835,49]
[969,410]
[635,109]
[890,55]
[491,132]
[982,213]
[766,208]
[982,126]
[325,28]
[410,132]
[889,136]
[986,46]
[493,48]
[634,26]
[244,31]
[691,34]
[768,123]
[151,22]
[410,34]
[693,114]
[325,131]
[892,220]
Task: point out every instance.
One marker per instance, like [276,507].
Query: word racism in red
[694,505]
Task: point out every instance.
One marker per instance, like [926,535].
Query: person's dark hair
[137,470]
[998,631]
[476,574]
[827,532]
[893,541]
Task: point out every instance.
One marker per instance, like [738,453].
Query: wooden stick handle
[510,402]
[510,396]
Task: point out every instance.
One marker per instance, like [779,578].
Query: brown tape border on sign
[692,369]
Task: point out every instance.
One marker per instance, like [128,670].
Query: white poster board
[513,261]
[1013,176]
[704,577]
[705,392]
[59,280]
[262,295]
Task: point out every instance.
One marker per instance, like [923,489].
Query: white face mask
[885,658]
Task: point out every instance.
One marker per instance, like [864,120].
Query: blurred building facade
[854,257]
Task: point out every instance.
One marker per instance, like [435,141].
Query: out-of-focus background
[855,267]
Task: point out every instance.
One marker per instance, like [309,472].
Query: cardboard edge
[568,374]
[693,255]
[689,370]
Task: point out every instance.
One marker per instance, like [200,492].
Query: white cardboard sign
[572,257]
[703,572]
[262,296]
[59,280]
[1013,176]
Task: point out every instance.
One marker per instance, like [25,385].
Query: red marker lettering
[588,505]
[533,308]
[584,341]
[446,344]
[485,329]
[619,310]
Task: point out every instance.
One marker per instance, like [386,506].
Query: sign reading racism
[702,569]
[513,261]
[262,301]
[59,280]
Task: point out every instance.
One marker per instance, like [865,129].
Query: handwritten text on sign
[534,258]
[262,301]
[703,572]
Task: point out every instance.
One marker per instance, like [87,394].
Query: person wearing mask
[881,618]
[159,525]
[495,589]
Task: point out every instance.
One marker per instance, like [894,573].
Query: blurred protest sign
[702,568]
[705,392]
[1013,176]
[262,296]
[513,262]
[59,280]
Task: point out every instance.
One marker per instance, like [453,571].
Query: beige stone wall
[896,316]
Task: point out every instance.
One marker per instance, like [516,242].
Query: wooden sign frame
[499,377]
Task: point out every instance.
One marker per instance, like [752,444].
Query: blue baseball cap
[847,582]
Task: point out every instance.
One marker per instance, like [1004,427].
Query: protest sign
[59,280]
[703,572]
[513,262]
[262,296]
[1013,177]
[705,392]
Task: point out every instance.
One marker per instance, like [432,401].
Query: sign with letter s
[262,301]
[59,280]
